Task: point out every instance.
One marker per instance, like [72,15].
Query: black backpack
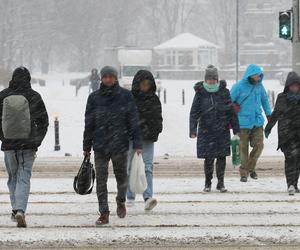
[84,181]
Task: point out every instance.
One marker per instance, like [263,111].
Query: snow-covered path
[256,213]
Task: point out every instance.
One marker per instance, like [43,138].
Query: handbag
[85,178]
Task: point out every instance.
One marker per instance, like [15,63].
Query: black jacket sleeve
[40,119]
[233,118]
[195,114]
[158,115]
[133,125]
[89,125]
[278,111]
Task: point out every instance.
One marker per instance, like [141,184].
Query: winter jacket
[251,98]
[38,116]
[111,121]
[149,107]
[287,113]
[211,116]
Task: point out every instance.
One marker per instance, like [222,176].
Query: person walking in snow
[287,113]
[24,124]
[111,121]
[211,116]
[249,97]
[150,122]
[94,80]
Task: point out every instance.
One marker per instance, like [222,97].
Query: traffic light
[285,24]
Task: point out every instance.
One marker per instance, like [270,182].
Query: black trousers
[292,164]
[120,170]
[209,170]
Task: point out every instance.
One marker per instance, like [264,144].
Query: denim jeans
[19,168]
[119,162]
[147,155]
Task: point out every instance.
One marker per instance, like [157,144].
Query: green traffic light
[285,31]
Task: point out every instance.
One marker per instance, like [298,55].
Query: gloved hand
[237,107]
[267,133]
[268,118]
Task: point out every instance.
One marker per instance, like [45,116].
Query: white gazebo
[185,52]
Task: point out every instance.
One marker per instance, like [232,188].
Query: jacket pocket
[244,120]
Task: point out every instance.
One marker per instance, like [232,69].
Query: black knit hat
[109,70]
[21,74]
[211,73]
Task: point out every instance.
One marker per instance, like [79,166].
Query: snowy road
[257,213]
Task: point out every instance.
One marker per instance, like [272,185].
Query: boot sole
[20,221]
[151,205]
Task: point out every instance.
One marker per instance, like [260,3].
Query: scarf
[211,88]
[293,97]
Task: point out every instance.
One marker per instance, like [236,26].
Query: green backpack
[16,120]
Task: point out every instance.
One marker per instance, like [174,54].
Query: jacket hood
[20,79]
[292,78]
[199,85]
[252,70]
[139,77]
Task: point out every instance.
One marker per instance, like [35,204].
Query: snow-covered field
[61,101]
[256,213]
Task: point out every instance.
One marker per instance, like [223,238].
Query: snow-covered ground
[61,101]
[256,213]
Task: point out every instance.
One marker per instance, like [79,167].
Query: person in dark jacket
[94,80]
[211,116]
[150,122]
[111,121]
[287,113]
[24,123]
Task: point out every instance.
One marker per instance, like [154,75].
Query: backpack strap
[245,99]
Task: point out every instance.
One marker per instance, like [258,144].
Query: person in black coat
[94,80]
[287,113]
[20,150]
[150,123]
[211,116]
[111,121]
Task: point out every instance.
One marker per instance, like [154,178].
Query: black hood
[199,85]
[139,77]
[292,78]
[20,79]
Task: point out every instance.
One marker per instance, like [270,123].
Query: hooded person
[287,114]
[150,123]
[250,97]
[24,124]
[211,116]
[111,121]
[94,80]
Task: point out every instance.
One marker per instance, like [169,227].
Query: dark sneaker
[222,189]
[253,175]
[207,189]
[102,220]
[13,216]
[20,218]
[121,209]
[243,179]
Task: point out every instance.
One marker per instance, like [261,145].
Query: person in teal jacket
[250,99]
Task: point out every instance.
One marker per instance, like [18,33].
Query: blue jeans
[148,154]
[19,168]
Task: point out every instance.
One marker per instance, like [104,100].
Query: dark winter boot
[20,218]
[207,188]
[253,175]
[243,179]
[13,215]
[103,219]
[221,187]
[121,209]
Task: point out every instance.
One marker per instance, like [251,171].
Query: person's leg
[26,159]
[120,170]
[130,194]
[148,154]
[244,150]
[290,166]
[101,166]
[208,170]
[220,169]
[297,169]
[11,165]
[257,143]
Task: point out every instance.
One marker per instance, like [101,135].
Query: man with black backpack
[24,124]
[111,121]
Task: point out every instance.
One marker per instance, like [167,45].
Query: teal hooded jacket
[251,98]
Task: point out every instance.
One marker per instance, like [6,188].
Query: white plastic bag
[137,180]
